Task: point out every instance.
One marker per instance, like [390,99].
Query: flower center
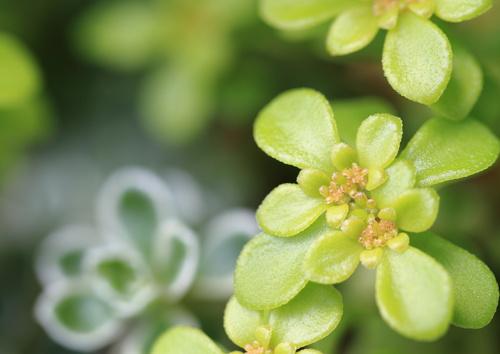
[345,186]
[256,348]
[377,233]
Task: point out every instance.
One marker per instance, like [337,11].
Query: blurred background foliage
[88,86]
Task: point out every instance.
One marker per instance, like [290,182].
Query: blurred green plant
[417,57]
[356,205]
[137,265]
[186,42]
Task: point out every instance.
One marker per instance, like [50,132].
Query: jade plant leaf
[414,294]
[461,10]
[464,87]
[332,258]
[442,150]
[417,59]
[378,140]
[282,260]
[474,285]
[417,209]
[185,340]
[298,14]
[352,30]
[287,210]
[296,127]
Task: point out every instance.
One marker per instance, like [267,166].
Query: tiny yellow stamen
[377,233]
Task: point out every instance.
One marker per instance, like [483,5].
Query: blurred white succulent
[126,277]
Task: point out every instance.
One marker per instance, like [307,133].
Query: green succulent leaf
[269,272]
[414,294]
[417,59]
[400,177]
[464,87]
[461,10]
[313,314]
[298,128]
[350,113]
[311,180]
[287,210]
[353,30]
[442,150]
[332,258]
[241,323]
[298,14]
[417,209]
[474,285]
[184,340]
[378,140]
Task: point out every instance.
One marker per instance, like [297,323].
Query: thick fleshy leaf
[414,294]
[416,209]
[461,10]
[442,150]
[400,177]
[310,181]
[19,75]
[474,285]
[464,87]
[417,59]
[241,323]
[76,317]
[378,140]
[298,128]
[282,260]
[332,258]
[298,14]
[287,210]
[185,340]
[313,314]
[350,113]
[353,30]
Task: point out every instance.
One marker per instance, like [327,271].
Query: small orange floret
[377,233]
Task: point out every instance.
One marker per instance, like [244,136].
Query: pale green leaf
[442,150]
[311,181]
[464,87]
[401,177]
[417,59]
[184,340]
[414,294]
[313,314]
[353,30]
[378,140]
[416,209]
[461,10]
[298,128]
[287,210]
[474,285]
[300,14]
[332,258]
[241,323]
[269,272]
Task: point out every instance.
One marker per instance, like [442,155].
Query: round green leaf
[417,209]
[287,210]
[298,128]
[400,177]
[417,59]
[461,10]
[184,340]
[313,314]
[19,75]
[464,87]
[474,285]
[332,258]
[378,140]
[241,323]
[311,181]
[442,150]
[414,294]
[299,14]
[353,30]
[270,272]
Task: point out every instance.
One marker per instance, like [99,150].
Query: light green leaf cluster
[362,203]
[417,57]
